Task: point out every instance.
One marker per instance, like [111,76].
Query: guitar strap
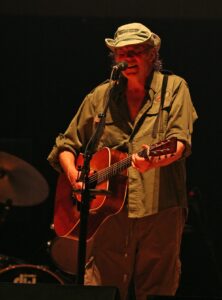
[158,121]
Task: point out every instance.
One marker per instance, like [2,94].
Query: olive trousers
[143,250]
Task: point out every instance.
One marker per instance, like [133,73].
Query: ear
[153,53]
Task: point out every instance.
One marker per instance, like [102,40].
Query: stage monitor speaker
[183,298]
[44,291]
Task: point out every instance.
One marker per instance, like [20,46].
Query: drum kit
[22,185]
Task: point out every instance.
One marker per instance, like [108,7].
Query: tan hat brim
[154,41]
[112,45]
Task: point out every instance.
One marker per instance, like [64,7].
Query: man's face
[139,59]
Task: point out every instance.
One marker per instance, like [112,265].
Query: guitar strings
[117,167]
[112,170]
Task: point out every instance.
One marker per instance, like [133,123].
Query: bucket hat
[133,34]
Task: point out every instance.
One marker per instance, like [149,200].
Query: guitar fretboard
[164,147]
[110,171]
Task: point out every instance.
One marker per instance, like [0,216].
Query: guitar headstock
[168,146]
[164,147]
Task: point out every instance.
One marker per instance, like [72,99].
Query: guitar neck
[160,148]
[114,169]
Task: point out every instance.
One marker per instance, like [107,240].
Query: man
[141,243]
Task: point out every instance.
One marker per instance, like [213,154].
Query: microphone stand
[86,192]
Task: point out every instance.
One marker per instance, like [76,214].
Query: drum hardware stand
[86,193]
[7,205]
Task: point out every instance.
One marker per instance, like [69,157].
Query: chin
[131,73]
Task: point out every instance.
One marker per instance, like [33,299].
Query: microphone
[121,66]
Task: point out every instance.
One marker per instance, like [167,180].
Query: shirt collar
[153,81]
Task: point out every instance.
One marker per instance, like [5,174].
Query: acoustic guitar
[109,174]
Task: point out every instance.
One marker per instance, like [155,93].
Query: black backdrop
[48,64]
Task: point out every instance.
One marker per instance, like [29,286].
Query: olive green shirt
[158,188]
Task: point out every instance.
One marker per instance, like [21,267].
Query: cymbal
[20,182]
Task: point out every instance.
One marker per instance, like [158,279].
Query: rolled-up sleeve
[182,116]
[76,136]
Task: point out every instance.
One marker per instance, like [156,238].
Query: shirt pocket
[114,134]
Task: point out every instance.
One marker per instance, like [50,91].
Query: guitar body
[101,207]
[110,173]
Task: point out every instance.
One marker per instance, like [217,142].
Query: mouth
[132,67]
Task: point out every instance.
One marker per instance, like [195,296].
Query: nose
[131,54]
[130,57]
